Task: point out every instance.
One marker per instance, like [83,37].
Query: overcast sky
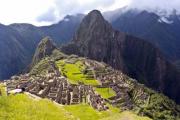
[44,12]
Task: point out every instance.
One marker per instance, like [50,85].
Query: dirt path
[32,96]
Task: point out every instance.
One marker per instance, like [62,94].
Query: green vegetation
[105,92]
[85,112]
[159,107]
[2,90]
[20,107]
[74,72]
[126,116]
[41,67]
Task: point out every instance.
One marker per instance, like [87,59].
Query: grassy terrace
[105,92]
[74,72]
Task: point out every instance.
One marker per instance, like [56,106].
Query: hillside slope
[12,53]
[101,92]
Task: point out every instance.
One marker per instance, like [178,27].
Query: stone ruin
[129,93]
[54,86]
[57,88]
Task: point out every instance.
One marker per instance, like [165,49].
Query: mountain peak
[92,24]
[93,18]
[94,30]
[45,48]
[45,41]
[94,15]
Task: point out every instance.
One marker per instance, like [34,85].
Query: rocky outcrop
[44,49]
[96,39]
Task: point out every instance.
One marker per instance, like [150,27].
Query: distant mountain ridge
[158,27]
[96,39]
[11,44]
[19,41]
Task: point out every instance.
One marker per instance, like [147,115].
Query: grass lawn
[21,107]
[74,72]
[105,92]
[85,112]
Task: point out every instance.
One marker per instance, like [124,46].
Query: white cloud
[64,7]
[43,12]
[40,12]
[21,11]
[167,5]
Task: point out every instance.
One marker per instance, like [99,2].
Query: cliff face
[97,40]
[151,26]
